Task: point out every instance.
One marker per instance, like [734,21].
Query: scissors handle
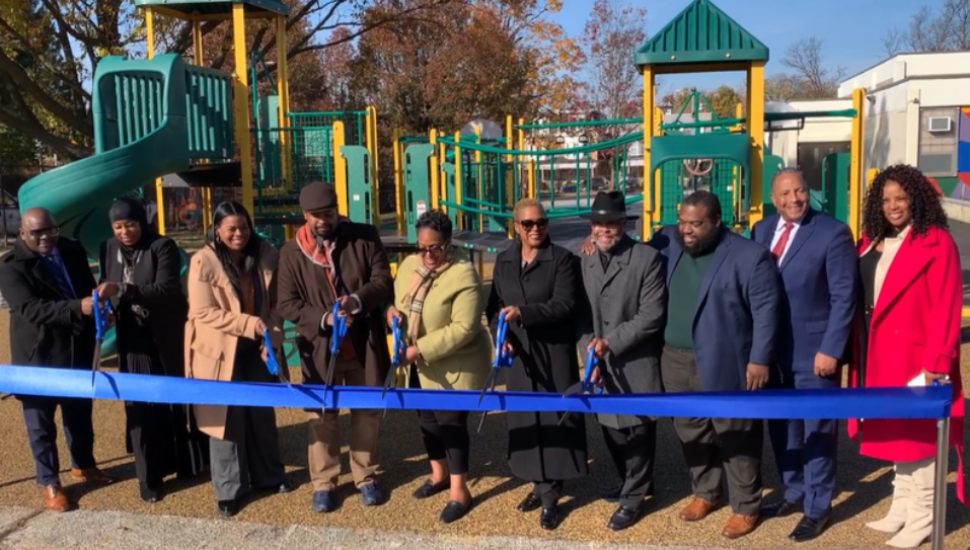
[272,365]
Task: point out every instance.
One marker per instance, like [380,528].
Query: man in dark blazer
[722,316]
[817,261]
[625,287]
[335,260]
[48,284]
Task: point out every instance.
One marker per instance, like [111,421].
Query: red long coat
[915,326]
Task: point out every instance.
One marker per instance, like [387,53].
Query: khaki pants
[323,437]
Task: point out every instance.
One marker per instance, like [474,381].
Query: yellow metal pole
[159,190]
[398,149]
[509,193]
[339,168]
[480,180]
[756,129]
[442,177]
[199,55]
[371,131]
[458,190]
[529,165]
[283,91]
[651,206]
[433,169]
[240,101]
[855,162]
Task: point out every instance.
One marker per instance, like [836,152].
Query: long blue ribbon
[922,402]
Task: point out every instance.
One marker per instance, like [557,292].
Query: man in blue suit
[817,261]
[723,298]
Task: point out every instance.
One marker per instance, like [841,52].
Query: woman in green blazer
[440,301]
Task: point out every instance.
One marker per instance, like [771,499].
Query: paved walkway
[30,528]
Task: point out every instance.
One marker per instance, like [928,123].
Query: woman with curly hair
[911,281]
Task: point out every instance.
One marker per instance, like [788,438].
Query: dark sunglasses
[541,223]
[52,231]
[434,250]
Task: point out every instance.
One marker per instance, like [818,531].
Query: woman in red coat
[911,279]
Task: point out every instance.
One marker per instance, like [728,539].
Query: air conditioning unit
[940,124]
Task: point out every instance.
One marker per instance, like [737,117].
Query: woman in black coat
[537,285]
[140,270]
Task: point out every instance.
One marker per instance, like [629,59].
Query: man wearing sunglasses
[48,284]
[625,286]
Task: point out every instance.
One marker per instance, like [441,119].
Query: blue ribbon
[922,402]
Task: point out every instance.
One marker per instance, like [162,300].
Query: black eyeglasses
[434,250]
[51,231]
[541,223]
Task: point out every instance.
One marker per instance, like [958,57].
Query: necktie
[60,277]
[779,248]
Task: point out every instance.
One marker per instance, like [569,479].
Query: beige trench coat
[216,322]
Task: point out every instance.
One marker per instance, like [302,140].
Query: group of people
[698,308]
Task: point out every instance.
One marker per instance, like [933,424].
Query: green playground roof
[702,33]
[215,7]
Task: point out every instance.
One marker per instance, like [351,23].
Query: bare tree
[611,34]
[893,42]
[805,58]
[929,31]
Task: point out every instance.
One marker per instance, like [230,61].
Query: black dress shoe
[454,511]
[549,518]
[529,503]
[150,496]
[623,517]
[808,528]
[428,489]
[228,508]
[284,487]
[780,509]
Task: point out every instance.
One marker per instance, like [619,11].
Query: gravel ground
[404,522]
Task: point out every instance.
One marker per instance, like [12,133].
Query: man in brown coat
[335,260]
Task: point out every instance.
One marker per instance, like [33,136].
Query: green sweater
[685,284]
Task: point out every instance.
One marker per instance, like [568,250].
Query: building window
[938,147]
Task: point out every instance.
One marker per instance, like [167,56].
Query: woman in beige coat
[440,300]
[231,294]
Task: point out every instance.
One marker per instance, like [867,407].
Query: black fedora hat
[609,207]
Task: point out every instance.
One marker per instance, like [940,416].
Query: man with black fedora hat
[625,286]
[335,260]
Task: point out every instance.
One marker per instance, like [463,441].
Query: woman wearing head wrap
[140,273]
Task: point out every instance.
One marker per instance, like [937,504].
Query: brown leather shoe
[697,509]
[739,525]
[55,499]
[93,476]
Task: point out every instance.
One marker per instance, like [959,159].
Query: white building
[913,112]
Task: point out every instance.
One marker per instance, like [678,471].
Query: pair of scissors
[398,348]
[272,364]
[337,334]
[585,386]
[102,321]
[503,359]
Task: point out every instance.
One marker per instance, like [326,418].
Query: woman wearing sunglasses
[536,284]
[439,299]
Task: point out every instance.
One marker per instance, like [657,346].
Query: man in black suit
[48,285]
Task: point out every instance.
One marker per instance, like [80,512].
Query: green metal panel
[773,164]
[834,196]
[210,7]
[268,168]
[449,170]
[676,182]
[417,184]
[701,33]
[359,188]
[208,106]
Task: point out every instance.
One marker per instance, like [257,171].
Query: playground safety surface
[111,514]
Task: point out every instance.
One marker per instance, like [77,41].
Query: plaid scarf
[421,281]
[322,255]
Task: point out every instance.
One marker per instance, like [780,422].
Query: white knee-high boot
[919,512]
[896,518]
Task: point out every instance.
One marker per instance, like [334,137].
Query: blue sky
[851,31]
